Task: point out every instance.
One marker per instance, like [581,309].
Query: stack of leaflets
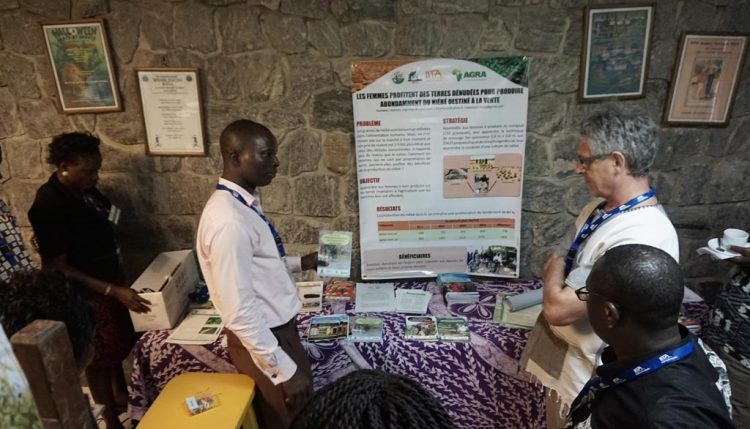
[422,328]
[365,329]
[429,328]
[335,254]
[374,297]
[453,329]
[412,301]
[339,290]
[311,296]
[457,288]
[328,328]
[199,327]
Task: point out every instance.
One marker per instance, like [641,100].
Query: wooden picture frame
[172,111]
[81,64]
[705,78]
[615,53]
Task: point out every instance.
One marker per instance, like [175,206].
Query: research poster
[440,155]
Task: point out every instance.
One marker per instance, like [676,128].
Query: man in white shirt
[248,274]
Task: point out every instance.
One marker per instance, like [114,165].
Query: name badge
[114,214]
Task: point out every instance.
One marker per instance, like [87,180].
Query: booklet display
[412,301]
[365,329]
[422,328]
[335,253]
[374,298]
[453,329]
[311,296]
[523,319]
[328,328]
[340,290]
[199,327]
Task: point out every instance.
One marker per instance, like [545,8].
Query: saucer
[714,243]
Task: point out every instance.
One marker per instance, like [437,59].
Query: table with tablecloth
[477,382]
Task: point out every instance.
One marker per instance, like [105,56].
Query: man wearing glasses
[616,150]
[654,372]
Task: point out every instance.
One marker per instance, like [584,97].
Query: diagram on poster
[440,154]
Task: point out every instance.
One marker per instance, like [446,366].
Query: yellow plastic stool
[234,394]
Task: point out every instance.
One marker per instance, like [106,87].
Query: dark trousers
[270,406]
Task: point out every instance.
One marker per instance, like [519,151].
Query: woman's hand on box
[130,299]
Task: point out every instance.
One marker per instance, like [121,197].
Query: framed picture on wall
[82,66]
[616,45]
[172,111]
[705,79]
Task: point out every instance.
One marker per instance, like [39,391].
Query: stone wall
[286,63]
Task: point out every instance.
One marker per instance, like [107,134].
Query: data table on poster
[446,230]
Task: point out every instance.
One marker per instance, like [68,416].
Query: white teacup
[734,237]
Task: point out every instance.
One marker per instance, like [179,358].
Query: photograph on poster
[493,260]
[497,175]
[705,78]
[82,66]
[172,111]
[615,52]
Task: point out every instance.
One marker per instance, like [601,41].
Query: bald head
[248,150]
[238,134]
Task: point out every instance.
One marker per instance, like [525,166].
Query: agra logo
[398,78]
[474,75]
[414,77]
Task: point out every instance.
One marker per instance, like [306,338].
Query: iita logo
[474,75]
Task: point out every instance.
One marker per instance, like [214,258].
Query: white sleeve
[230,247]
[293,264]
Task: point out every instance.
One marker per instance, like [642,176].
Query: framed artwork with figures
[705,78]
[616,46]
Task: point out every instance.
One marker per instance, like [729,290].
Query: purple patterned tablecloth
[477,382]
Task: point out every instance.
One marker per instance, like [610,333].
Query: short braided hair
[29,295]
[372,399]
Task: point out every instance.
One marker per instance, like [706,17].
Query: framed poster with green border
[82,66]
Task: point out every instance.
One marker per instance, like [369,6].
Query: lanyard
[95,204]
[582,403]
[591,224]
[238,197]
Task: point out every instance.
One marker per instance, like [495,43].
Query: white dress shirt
[250,284]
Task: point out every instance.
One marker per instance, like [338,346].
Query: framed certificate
[172,111]
[615,54]
[82,66]
[705,79]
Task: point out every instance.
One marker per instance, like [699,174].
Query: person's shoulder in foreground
[372,399]
[654,375]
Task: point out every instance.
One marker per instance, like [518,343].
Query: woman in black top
[74,226]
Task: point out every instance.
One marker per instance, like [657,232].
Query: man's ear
[620,160]
[234,157]
[611,314]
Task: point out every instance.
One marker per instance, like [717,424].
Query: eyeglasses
[583,294]
[585,161]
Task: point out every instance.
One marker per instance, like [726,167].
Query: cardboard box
[167,282]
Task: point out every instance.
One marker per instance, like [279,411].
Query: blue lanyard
[585,398]
[238,197]
[591,224]
[95,204]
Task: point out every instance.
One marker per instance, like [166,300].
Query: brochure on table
[335,253]
[198,327]
[440,154]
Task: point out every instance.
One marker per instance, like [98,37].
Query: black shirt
[64,224]
[680,395]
